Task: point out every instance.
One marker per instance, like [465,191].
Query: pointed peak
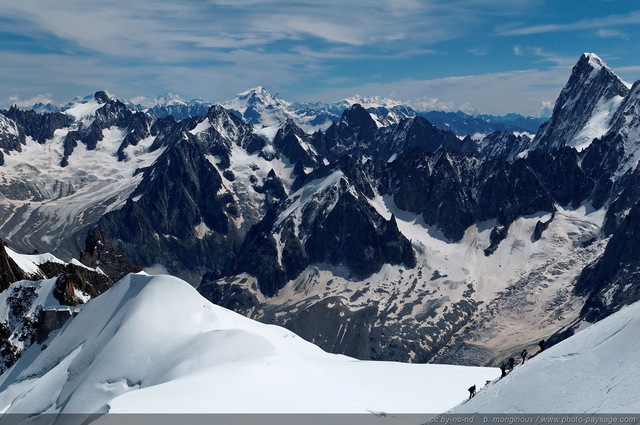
[289,125]
[593,60]
[590,65]
[172,99]
[256,96]
[357,117]
[259,92]
[104,97]
[355,110]
[217,111]
[255,90]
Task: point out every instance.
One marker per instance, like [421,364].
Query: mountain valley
[369,231]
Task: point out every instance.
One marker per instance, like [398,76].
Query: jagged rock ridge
[401,232]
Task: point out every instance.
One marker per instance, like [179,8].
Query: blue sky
[483,56]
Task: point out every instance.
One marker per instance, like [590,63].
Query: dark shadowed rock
[10,270]
[612,281]
[336,328]
[591,83]
[498,234]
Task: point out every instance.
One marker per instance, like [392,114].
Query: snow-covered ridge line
[594,371]
[272,109]
[136,350]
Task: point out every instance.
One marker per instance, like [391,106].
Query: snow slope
[153,344]
[41,200]
[525,286]
[594,371]
[30,263]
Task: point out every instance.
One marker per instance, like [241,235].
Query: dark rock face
[160,221]
[336,227]
[560,173]
[71,276]
[498,234]
[10,270]
[335,328]
[273,189]
[453,191]
[40,127]
[612,281]
[358,136]
[541,226]
[353,234]
[49,321]
[502,145]
[347,136]
[415,133]
[258,257]
[591,81]
[229,296]
[295,144]
[434,185]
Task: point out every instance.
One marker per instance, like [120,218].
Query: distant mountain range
[258,106]
[373,232]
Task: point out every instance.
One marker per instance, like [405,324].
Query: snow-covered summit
[254,97]
[261,94]
[369,102]
[595,61]
[168,99]
[154,345]
[584,107]
[259,107]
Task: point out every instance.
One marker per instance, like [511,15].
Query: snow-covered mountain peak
[173,99]
[260,95]
[103,96]
[83,108]
[369,102]
[259,107]
[86,107]
[594,60]
[225,123]
[587,70]
[169,99]
[584,107]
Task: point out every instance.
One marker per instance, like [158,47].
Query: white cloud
[156,269]
[545,109]
[544,55]
[45,99]
[217,48]
[632,18]
[494,93]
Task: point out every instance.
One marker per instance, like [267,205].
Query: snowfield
[594,371]
[152,344]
